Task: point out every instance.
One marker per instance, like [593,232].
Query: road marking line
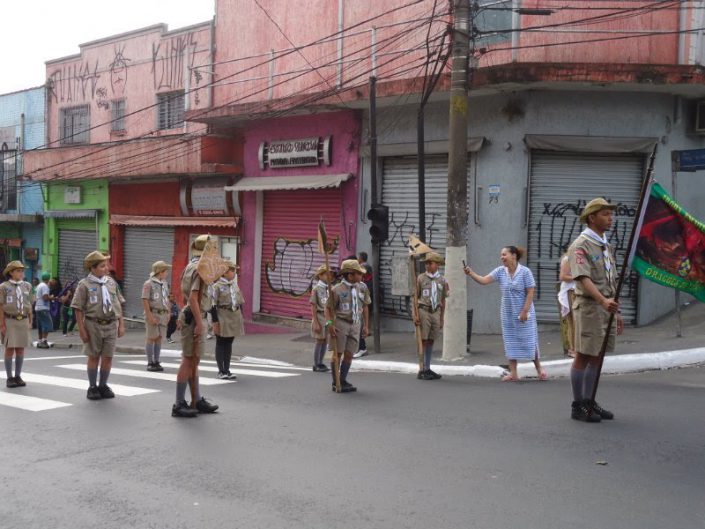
[75,383]
[53,357]
[25,402]
[148,374]
[206,368]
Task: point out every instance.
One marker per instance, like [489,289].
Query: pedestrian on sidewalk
[155,300]
[431,292]
[193,334]
[68,317]
[367,281]
[98,307]
[566,296]
[345,314]
[173,318]
[318,301]
[15,319]
[594,270]
[519,329]
[42,309]
[228,323]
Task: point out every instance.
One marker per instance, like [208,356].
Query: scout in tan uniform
[593,268]
[155,300]
[318,301]
[193,334]
[15,319]
[350,308]
[432,290]
[227,319]
[98,307]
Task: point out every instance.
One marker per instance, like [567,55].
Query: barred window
[118,116]
[8,179]
[171,110]
[74,124]
[494,21]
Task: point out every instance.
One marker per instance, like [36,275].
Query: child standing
[15,319]
[172,325]
[432,290]
[155,300]
[98,307]
[227,319]
[318,300]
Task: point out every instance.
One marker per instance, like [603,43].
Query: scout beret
[13,265]
[351,265]
[94,258]
[594,206]
[231,265]
[322,270]
[160,266]
[199,244]
[433,257]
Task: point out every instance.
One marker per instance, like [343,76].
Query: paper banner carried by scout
[670,245]
[416,247]
[211,266]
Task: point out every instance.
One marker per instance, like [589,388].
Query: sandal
[543,375]
[509,378]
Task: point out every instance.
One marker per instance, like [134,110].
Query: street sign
[688,161]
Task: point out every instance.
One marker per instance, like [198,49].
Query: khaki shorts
[101,338]
[320,316]
[348,336]
[190,345]
[590,322]
[17,333]
[159,330]
[430,324]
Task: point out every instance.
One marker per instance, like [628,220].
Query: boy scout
[155,300]
[593,267]
[15,319]
[432,290]
[227,319]
[318,301]
[193,331]
[350,308]
[97,304]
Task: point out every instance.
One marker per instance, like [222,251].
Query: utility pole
[455,325]
[375,198]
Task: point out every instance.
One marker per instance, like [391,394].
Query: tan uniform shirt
[343,302]
[157,293]
[587,259]
[89,299]
[319,297]
[191,281]
[424,289]
[9,302]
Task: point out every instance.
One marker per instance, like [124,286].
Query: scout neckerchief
[233,291]
[105,294]
[602,241]
[165,291]
[353,293]
[434,289]
[322,287]
[19,295]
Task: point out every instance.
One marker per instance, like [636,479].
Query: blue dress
[521,339]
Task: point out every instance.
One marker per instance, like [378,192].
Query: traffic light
[379,215]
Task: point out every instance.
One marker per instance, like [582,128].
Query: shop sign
[72,195]
[11,243]
[207,198]
[301,152]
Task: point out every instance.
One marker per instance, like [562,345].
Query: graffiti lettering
[118,72]
[74,83]
[102,101]
[168,61]
[293,265]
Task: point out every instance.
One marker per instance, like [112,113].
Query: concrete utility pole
[455,328]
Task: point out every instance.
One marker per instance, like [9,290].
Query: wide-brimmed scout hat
[199,244]
[231,265]
[159,267]
[94,258]
[351,265]
[322,270]
[433,257]
[12,266]
[595,205]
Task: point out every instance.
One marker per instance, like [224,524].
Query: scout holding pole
[330,313]
[417,248]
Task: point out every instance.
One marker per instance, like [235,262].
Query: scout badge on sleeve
[323,248]
[211,266]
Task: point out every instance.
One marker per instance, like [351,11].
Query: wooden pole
[415,310]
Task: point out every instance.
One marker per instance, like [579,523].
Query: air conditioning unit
[699,125]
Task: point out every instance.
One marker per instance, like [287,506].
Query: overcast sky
[34,31]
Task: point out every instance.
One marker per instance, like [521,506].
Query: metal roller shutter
[74,245]
[561,185]
[289,246]
[143,246]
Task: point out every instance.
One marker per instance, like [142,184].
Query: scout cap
[12,266]
[231,265]
[160,266]
[433,257]
[595,205]
[94,258]
[351,265]
[322,270]
[199,244]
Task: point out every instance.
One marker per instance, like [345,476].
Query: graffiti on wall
[293,265]
[74,83]
[168,60]
[118,72]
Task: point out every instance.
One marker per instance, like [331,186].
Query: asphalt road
[401,453]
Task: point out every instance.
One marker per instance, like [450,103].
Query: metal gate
[561,184]
[143,246]
[74,245]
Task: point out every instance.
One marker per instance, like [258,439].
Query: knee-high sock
[8,366]
[344,369]
[577,380]
[104,374]
[92,376]
[191,381]
[428,352]
[180,391]
[149,349]
[316,351]
[19,360]
[157,352]
[589,381]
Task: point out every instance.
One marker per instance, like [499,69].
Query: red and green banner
[670,247]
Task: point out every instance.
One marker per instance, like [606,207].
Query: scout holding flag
[430,294]
[203,269]
[157,308]
[15,319]
[97,304]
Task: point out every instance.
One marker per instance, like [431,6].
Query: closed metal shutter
[290,246]
[561,185]
[400,193]
[143,246]
[74,245]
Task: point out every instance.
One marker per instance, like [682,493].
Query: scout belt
[429,309]
[100,321]
[160,311]
[228,307]
[18,317]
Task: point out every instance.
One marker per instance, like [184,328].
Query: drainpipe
[211,51]
[339,82]
[682,26]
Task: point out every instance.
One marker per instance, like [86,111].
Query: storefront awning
[17,217]
[150,220]
[71,213]
[291,183]
[599,144]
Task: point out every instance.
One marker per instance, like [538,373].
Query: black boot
[203,406]
[580,412]
[599,410]
[182,409]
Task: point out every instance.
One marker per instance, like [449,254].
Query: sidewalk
[640,348]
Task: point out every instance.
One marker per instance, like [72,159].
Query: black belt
[160,311]
[17,317]
[429,309]
[228,307]
[100,321]
[344,319]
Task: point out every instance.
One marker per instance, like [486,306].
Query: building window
[75,122]
[118,116]
[171,110]
[8,179]
[494,21]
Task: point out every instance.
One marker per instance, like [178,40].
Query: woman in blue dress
[519,330]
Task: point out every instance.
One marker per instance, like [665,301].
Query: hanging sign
[302,152]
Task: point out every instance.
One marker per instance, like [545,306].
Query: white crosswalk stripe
[25,402]
[147,374]
[212,369]
[82,384]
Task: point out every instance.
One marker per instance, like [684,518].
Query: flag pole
[323,247]
[623,272]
